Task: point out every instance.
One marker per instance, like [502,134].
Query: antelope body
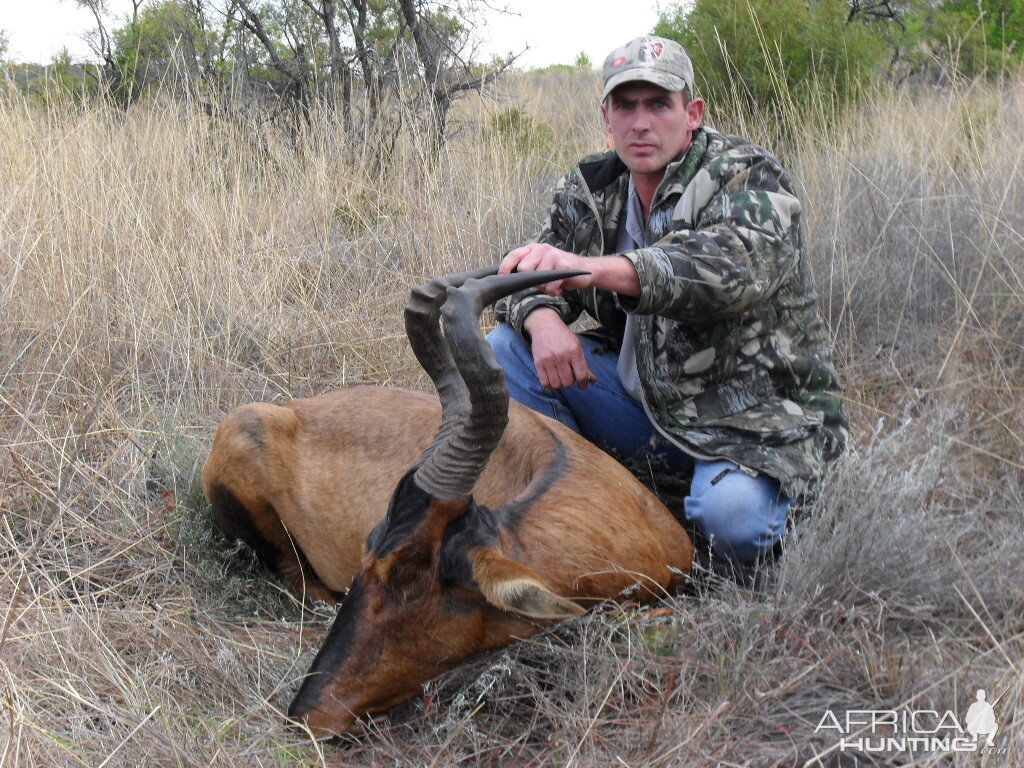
[453,532]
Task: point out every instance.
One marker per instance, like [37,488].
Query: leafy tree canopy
[774,51]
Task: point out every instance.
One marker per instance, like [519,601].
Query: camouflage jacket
[731,352]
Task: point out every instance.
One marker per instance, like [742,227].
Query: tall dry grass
[161,266]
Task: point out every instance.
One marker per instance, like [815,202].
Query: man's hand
[539,256]
[610,273]
[557,352]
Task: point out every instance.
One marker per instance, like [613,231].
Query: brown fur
[327,467]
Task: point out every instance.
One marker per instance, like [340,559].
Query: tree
[774,52]
[440,39]
[875,10]
[102,43]
[164,43]
[351,54]
[979,36]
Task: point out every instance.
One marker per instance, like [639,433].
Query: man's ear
[604,114]
[695,113]
[513,587]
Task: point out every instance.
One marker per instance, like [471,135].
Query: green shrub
[520,130]
[782,53]
[974,37]
[583,62]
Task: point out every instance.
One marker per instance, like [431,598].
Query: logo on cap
[619,61]
[650,51]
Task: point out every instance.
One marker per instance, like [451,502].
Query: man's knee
[743,516]
[514,355]
[506,343]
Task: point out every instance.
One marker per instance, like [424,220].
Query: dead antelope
[500,524]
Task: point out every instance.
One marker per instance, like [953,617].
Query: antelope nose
[323,723]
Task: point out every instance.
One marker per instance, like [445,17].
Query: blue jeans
[743,516]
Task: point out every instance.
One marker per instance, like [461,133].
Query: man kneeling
[710,352]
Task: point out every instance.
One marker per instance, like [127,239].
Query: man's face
[650,126]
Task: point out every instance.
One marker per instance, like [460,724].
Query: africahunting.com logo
[915,730]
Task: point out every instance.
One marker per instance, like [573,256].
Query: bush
[972,37]
[520,130]
[779,53]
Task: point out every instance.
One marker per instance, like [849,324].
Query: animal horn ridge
[454,463]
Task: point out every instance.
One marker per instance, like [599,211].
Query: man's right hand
[557,352]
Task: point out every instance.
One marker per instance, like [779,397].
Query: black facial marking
[477,527]
[332,653]
[408,505]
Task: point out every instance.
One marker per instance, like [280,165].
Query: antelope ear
[513,587]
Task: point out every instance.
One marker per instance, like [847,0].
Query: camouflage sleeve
[743,247]
[515,308]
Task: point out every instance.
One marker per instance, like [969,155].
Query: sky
[555,30]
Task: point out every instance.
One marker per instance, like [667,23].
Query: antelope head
[435,586]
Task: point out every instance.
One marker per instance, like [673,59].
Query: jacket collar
[598,174]
[606,169]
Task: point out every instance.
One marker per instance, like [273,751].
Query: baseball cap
[650,59]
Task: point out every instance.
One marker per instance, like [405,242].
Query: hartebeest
[505,522]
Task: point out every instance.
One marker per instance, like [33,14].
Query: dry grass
[160,268]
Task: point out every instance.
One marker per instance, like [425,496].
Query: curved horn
[423,327]
[454,465]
